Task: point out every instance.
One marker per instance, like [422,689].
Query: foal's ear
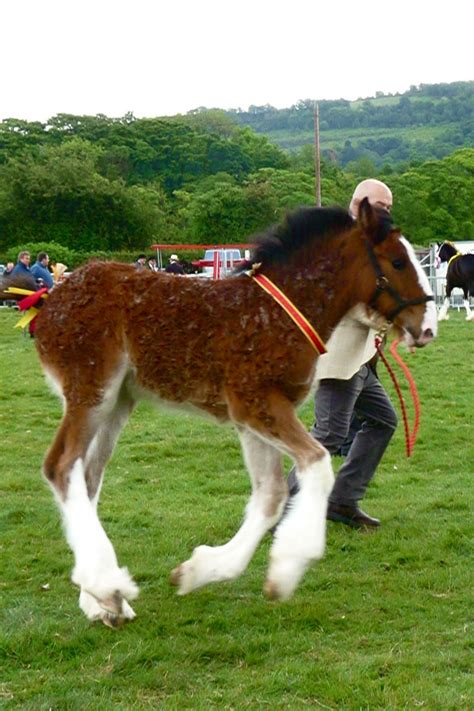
[367,219]
[375,223]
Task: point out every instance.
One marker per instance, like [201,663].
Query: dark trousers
[334,404]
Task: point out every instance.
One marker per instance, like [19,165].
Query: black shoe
[351,516]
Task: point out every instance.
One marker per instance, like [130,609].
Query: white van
[228,260]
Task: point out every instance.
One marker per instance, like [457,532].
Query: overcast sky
[162,57]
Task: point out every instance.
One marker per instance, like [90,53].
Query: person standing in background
[22,267]
[174,267]
[141,261]
[348,384]
[40,271]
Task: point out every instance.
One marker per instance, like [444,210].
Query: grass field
[335,138]
[384,621]
[392,100]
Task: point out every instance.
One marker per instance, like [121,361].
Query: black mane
[308,223]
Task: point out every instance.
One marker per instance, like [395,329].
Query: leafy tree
[222,211]
[58,193]
[433,200]
[56,252]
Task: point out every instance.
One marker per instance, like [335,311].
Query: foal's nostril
[428,334]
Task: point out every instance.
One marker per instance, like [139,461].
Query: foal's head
[400,288]
[367,259]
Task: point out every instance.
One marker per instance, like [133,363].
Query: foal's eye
[399,263]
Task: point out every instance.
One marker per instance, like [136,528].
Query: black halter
[382,284]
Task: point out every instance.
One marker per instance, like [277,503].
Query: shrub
[56,252]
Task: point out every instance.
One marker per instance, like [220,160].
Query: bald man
[347,384]
[377,192]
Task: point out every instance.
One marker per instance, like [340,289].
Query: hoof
[113,611]
[183,578]
[116,611]
[176,575]
[113,604]
[270,590]
[112,621]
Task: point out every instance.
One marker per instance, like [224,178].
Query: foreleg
[301,535]
[269,494]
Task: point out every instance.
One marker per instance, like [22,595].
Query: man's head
[174,258]
[24,258]
[43,259]
[378,194]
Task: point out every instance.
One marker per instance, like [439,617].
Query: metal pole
[317,156]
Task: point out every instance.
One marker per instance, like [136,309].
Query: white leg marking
[301,535]
[469,314]
[443,314]
[211,564]
[96,570]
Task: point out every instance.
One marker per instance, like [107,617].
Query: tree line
[445,110]
[95,185]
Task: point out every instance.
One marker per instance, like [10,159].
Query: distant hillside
[429,121]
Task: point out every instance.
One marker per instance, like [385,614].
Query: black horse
[460,274]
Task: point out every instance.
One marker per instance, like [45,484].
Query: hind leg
[74,467]
[117,609]
[269,494]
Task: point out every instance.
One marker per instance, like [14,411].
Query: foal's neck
[321,283]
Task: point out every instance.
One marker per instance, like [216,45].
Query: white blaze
[430,319]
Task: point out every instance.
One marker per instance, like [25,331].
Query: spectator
[174,267]
[141,261]
[22,267]
[8,269]
[40,271]
[152,265]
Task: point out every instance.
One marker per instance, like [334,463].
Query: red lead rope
[410,437]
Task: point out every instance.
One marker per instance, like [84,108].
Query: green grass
[336,138]
[378,101]
[384,621]
[393,100]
